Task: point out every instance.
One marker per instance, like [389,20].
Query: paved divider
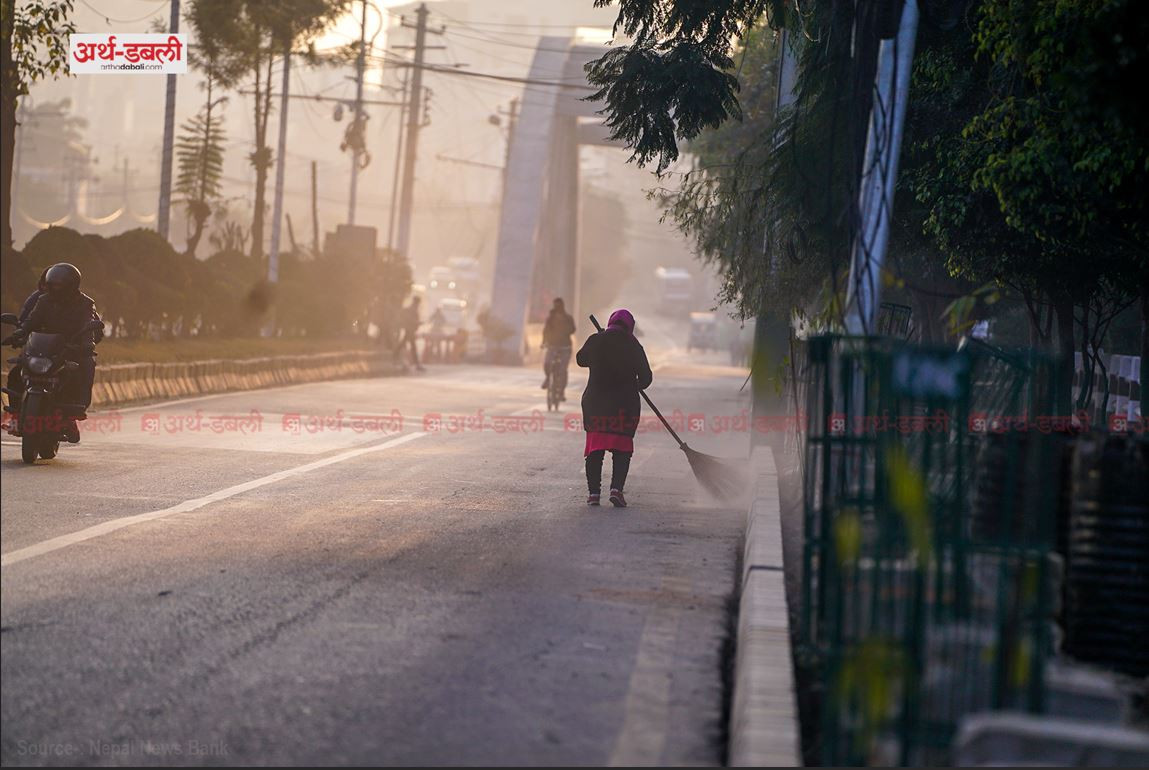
[764,713]
[119,384]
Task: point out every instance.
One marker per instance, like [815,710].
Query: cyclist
[557,340]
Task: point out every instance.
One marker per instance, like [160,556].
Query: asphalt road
[177,594]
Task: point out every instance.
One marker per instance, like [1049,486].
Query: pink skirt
[613,441]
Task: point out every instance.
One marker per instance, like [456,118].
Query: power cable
[109,19]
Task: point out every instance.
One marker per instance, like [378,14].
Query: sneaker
[616,498]
[71,433]
[593,500]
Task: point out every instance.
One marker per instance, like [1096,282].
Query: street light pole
[163,218]
[356,120]
[280,166]
[398,166]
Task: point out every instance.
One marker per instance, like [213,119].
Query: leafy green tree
[200,151]
[1028,177]
[1069,130]
[249,36]
[772,197]
[33,46]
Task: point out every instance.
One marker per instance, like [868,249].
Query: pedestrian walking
[411,322]
[610,404]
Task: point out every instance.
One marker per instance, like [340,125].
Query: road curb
[120,384]
[764,729]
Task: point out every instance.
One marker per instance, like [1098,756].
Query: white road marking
[63,541]
[646,712]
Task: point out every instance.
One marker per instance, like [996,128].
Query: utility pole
[398,166]
[17,153]
[280,164]
[164,214]
[314,208]
[411,150]
[356,120]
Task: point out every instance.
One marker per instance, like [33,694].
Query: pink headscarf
[622,319]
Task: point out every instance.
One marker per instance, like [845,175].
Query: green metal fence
[928,526]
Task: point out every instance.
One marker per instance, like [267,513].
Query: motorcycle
[43,420]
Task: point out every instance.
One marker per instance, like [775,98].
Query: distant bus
[675,290]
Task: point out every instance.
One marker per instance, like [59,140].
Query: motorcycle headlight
[38,365]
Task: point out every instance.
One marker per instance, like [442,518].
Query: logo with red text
[128,53]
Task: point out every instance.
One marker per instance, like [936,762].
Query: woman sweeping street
[610,403]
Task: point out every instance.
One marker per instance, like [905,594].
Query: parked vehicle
[467,277]
[703,332]
[441,279]
[675,290]
[454,312]
[43,419]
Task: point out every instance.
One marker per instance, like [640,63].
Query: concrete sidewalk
[764,728]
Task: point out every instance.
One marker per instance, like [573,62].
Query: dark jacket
[64,315]
[618,370]
[26,309]
[558,329]
[410,320]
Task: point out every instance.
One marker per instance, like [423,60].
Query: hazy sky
[125,112]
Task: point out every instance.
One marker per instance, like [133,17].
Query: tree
[249,36]
[200,153]
[1027,178]
[772,198]
[1070,131]
[33,46]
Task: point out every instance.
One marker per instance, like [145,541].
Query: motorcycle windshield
[42,344]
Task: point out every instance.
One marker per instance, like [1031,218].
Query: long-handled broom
[720,477]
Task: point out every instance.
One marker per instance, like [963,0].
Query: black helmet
[62,278]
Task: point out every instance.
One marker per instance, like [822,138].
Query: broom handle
[646,398]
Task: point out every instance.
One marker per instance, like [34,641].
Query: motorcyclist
[557,333]
[63,309]
[15,376]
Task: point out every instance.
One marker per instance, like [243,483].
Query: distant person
[410,325]
[438,323]
[63,309]
[557,332]
[610,406]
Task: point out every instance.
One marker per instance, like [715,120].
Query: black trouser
[78,388]
[407,342]
[15,387]
[621,464]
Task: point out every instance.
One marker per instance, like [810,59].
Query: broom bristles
[722,478]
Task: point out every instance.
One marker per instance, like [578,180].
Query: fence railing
[929,520]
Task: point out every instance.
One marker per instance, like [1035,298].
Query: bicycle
[555,366]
